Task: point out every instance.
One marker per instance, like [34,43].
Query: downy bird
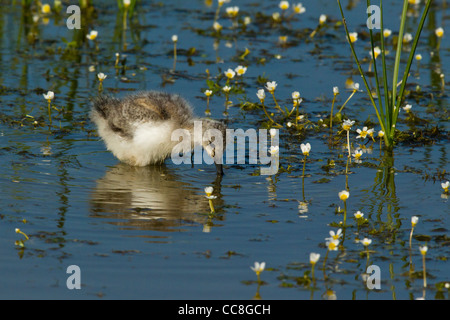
[138,128]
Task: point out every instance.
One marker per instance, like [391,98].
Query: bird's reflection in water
[150,198]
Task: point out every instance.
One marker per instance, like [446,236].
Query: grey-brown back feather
[121,114]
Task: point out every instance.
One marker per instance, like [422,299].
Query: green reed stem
[387,115]
[361,71]
[397,62]
[380,105]
[408,65]
[387,119]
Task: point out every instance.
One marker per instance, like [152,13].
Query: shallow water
[146,233]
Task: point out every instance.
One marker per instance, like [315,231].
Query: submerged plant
[387,111]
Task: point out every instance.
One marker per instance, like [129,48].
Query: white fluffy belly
[151,143]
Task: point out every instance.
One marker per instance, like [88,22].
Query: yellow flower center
[46,8]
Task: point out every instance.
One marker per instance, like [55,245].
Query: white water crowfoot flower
[322,20]
[271,86]
[92,35]
[284,5]
[407,108]
[332,245]
[209,191]
[314,257]
[439,32]
[22,233]
[362,133]
[230,73]
[274,150]
[335,235]
[261,95]
[258,268]
[353,37]
[357,155]
[226,89]
[49,97]
[296,100]
[232,12]
[217,26]
[335,90]
[306,148]
[240,70]
[423,250]
[347,124]
[366,242]
[210,197]
[273,132]
[445,186]
[407,38]
[414,221]
[359,215]
[101,76]
[298,8]
[344,195]
[46,8]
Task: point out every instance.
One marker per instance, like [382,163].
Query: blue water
[146,233]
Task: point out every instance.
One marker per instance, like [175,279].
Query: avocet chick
[138,129]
